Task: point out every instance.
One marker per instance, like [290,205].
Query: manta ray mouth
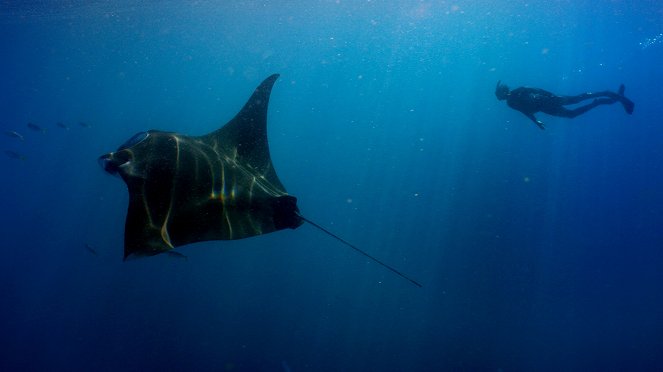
[110,163]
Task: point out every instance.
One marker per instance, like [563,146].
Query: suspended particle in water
[656,39]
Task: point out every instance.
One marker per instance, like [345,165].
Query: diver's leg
[583,109]
[560,111]
[619,96]
[571,100]
[610,98]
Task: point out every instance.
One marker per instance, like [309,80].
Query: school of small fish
[15,134]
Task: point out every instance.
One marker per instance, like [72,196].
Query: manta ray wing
[245,136]
[219,186]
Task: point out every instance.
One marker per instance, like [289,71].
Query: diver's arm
[535,120]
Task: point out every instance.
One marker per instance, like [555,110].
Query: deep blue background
[538,250]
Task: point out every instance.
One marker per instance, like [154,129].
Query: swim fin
[627,103]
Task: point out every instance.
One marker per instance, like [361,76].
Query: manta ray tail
[360,251]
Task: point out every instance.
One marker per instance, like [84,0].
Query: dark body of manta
[219,186]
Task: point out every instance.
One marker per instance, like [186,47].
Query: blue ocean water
[537,250]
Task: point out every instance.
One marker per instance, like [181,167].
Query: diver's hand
[539,123]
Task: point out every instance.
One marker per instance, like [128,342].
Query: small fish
[15,134]
[90,249]
[15,155]
[36,128]
[174,254]
[84,124]
[62,125]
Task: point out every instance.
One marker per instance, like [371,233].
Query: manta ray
[218,186]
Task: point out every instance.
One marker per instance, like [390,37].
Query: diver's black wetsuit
[532,100]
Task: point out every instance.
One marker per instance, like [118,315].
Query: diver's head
[501,91]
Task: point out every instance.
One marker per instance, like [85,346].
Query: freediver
[529,101]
